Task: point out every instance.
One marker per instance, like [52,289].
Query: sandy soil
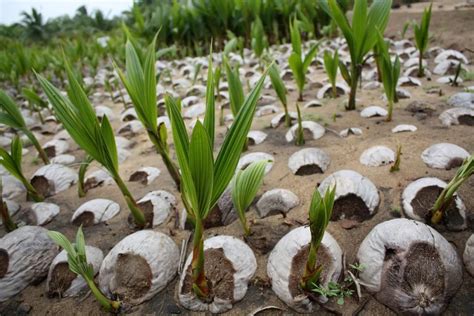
[449,28]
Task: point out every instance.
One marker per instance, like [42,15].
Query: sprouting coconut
[256,137]
[139,266]
[457,116]
[39,213]
[25,256]
[145,175]
[409,267]
[276,201]
[246,160]
[444,156]
[230,264]
[94,212]
[315,130]
[419,197]
[157,206]
[377,156]
[52,179]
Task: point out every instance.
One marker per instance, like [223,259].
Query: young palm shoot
[447,195]
[361,36]
[390,74]
[204,178]
[320,212]
[396,165]
[10,115]
[299,64]
[299,139]
[77,260]
[259,39]
[422,37]
[280,89]
[331,64]
[12,162]
[96,138]
[4,213]
[140,82]
[81,191]
[246,185]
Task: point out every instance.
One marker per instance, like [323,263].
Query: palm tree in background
[34,25]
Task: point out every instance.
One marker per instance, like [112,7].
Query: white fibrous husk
[316,130]
[145,175]
[102,210]
[377,156]
[58,177]
[246,160]
[56,147]
[350,131]
[308,157]
[407,81]
[373,111]
[64,160]
[312,104]
[191,100]
[157,249]
[256,137]
[244,263]
[102,110]
[94,257]
[351,182]
[122,142]
[44,212]
[131,128]
[327,90]
[404,128]
[446,66]
[12,187]
[163,203]
[194,111]
[276,201]
[123,154]
[444,156]
[468,255]
[451,116]
[371,85]
[280,118]
[384,253]
[266,110]
[29,252]
[280,263]
[97,178]
[462,99]
[412,190]
[129,114]
[449,79]
[451,54]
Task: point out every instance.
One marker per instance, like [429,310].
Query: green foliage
[320,211]
[331,64]
[7,221]
[280,89]
[259,39]
[396,164]
[12,162]
[77,260]
[299,139]
[447,195]
[96,138]
[299,64]
[236,90]
[204,178]
[390,74]
[361,36]
[422,37]
[340,291]
[245,188]
[81,175]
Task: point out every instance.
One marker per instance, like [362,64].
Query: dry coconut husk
[139,266]
[229,266]
[468,255]
[52,179]
[409,267]
[25,256]
[286,265]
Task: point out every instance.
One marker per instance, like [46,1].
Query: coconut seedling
[447,195]
[7,221]
[259,39]
[245,187]
[10,115]
[300,63]
[390,74]
[280,89]
[331,64]
[236,90]
[396,165]
[77,260]
[299,139]
[361,36]
[12,162]
[81,191]
[422,37]
[140,82]
[204,178]
[96,138]
[320,211]
[36,102]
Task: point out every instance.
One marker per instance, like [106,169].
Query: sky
[10,9]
